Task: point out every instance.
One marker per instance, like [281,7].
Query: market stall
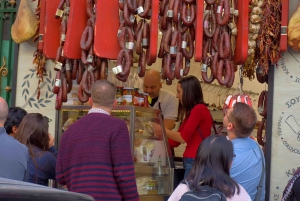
[226,44]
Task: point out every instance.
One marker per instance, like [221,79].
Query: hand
[51,140]
[157,129]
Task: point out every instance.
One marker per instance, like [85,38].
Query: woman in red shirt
[197,122]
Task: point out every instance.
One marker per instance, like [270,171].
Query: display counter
[153,161]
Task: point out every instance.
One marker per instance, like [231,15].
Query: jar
[146,102]
[119,95]
[141,99]
[136,97]
[151,187]
[127,96]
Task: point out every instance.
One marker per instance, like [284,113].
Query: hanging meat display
[294,30]
[214,32]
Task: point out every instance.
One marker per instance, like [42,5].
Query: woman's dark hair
[212,166]
[191,93]
[14,118]
[33,132]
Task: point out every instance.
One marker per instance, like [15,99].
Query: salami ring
[187,19]
[74,69]
[91,22]
[214,65]
[146,35]
[209,24]
[216,37]
[192,32]
[163,73]
[63,32]
[224,47]
[87,81]
[187,67]
[176,11]
[131,4]
[121,5]
[86,38]
[205,65]
[128,17]
[57,83]
[142,65]
[210,2]
[124,57]
[260,75]
[89,8]
[139,27]
[163,6]
[126,33]
[58,100]
[187,38]
[259,132]
[82,97]
[139,49]
[167,40]
[188,1]
[146,5]
[224,64]
[64,90]
[232,76]
[223,19]
[178,66]
[175,43]
[79,73]
[263,103]
[169,67]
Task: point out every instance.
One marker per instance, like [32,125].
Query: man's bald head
[3,111]
[152,83]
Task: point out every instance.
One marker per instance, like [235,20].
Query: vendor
[161,99]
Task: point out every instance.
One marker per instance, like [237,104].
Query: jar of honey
[151,187]
[141,99]
[119,95]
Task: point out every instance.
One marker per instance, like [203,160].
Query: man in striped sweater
[94,156]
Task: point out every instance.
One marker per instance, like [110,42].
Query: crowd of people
[95,155]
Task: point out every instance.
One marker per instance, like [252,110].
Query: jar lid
[128,88]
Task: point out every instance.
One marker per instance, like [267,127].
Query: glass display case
[154,165]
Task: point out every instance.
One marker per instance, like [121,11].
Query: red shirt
[200,118]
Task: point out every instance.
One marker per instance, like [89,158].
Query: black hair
[212,166]
[14,118]
[191,93]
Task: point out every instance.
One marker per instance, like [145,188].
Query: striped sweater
[94,158]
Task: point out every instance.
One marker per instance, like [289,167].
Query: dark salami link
[231,80]
[188,1]
[139,49]
[174,46]
[214,65]
[192,32]
[138,28]
[260,131]
[89,8]
[86,38]
[57,83]
[64,90]
[147,8]
[121,5]
[163,62]
[260,75]
[126,33]
[163,6]
[131,4]
[188,39]
[206,49]
[74,69]
[207,64]
[178,66]
[167,40]
[127,16]
[82,97]
[59,11]
[176,11]
[210,2]
[87,80]
[80,73]
[169,68]
[262,103]
[91,22]
[186,67]
[223,16]
[146,35]
[216,37]
[142,65]
[58,101]
[188,20]
[209,24]
[63,32]
[84,57]
[223,64]
[124,57]
[161,46]
[224,48]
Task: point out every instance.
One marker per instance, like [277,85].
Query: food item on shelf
[294,30]
[25,25]
[141,184]
[68,123]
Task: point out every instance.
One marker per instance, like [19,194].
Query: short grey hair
[103,93]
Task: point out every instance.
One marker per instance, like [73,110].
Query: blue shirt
[43,168]
[13,157]
[247,166]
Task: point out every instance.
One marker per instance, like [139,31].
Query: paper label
[140,10]
[129,45]
[183,44]
[57,82]
[219,9]
[204,68]
[58,66]
[90,58]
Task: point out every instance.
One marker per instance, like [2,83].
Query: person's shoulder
[167,93]
[201,107]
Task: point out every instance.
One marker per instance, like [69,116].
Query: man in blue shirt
[13,155]
[247,165]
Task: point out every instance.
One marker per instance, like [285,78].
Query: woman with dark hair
[14,118]
[33,132]
[211,168]
[197,122]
